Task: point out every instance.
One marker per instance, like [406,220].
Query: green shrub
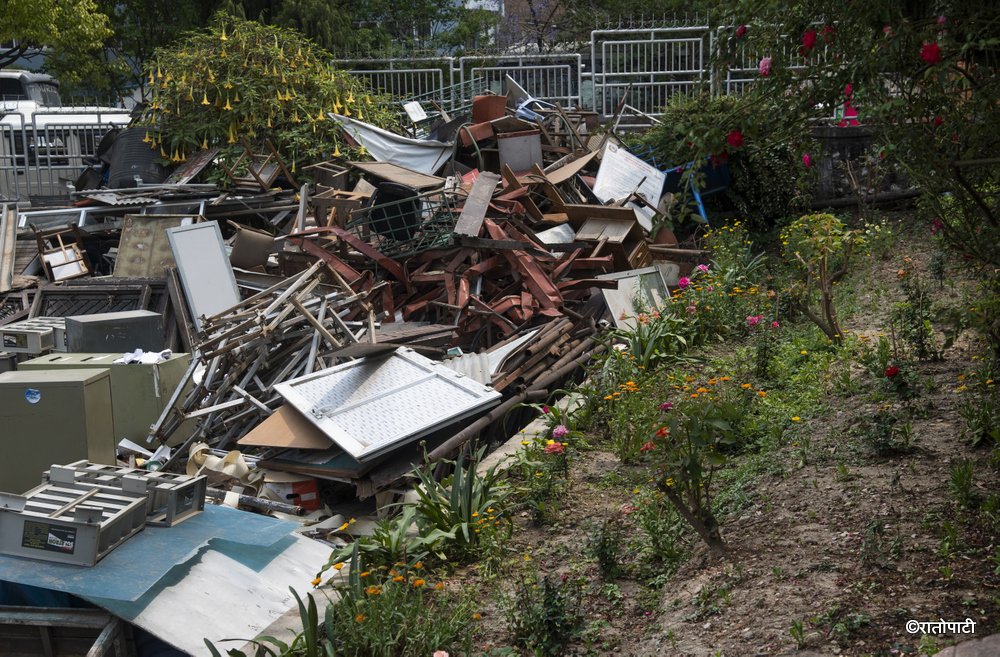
[543,613]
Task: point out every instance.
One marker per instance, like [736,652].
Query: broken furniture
[171,498]
[53,416]
[62,252]
[258,171]
[70,522]
[29,336]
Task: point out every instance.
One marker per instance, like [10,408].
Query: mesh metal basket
[410,223]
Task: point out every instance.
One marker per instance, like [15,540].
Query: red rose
[808,41]
[931,53]
[891,371]
[829,31]
[719,159]
[734,139]
[741,31]
[937,121]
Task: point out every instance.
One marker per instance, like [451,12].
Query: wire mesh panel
[401,223]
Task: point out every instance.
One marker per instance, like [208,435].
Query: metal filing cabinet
[138,392]
[27,337]
[54,416]
[124,331]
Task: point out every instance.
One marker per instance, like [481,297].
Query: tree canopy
[70,29]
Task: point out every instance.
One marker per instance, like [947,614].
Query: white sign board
[622,173]
[204,269]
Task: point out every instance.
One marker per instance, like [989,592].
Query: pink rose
[775,324]
[764,68]
[683,282]
[807,160]
[702,268]
[741,31]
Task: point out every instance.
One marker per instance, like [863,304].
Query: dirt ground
[848,545]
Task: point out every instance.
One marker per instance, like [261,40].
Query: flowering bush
[690,445]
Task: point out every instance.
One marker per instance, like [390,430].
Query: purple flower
[545,409]
[764,68]
[702,268]
[683,282]
[560,432]
[666,406]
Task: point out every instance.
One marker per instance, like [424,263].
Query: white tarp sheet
[425,156]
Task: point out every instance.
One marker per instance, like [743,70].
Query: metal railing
[40,155]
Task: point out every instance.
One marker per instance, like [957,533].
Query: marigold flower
[746,386]
[397,578]
[761,393]
[338,566]
[418,565]
[360,618]
[417,583]
[365,574]
[316,581]
[477,616]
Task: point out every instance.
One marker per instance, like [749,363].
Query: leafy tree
[70,28]
[241,79]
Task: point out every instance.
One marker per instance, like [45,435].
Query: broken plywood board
[470,221]
[144,250]
[286,428]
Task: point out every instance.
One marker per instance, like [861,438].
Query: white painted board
[622,173]
[203,267]
[373,405]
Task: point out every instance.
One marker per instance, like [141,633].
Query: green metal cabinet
[54,416]
[138,392]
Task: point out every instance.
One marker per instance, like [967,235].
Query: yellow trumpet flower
[204,142]
[227,106]
[336,150]
[204,98]
[223,37]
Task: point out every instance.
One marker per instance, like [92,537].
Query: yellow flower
[525,442]
[724,378]
[761,393]
[803,352]
[417,583]
[366,573]
[796,418]
[373,590]
[477,616]
[669,482]
[746,386]
[338,566]
[418,565]
[316,582]
[360,618]
[694,395]
[608,397]
[343,527]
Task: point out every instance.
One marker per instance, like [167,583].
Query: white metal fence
[648,64]
[43,152]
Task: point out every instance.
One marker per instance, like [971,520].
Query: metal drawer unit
[27,337]
[74,523]
[58,324]
[171,497]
